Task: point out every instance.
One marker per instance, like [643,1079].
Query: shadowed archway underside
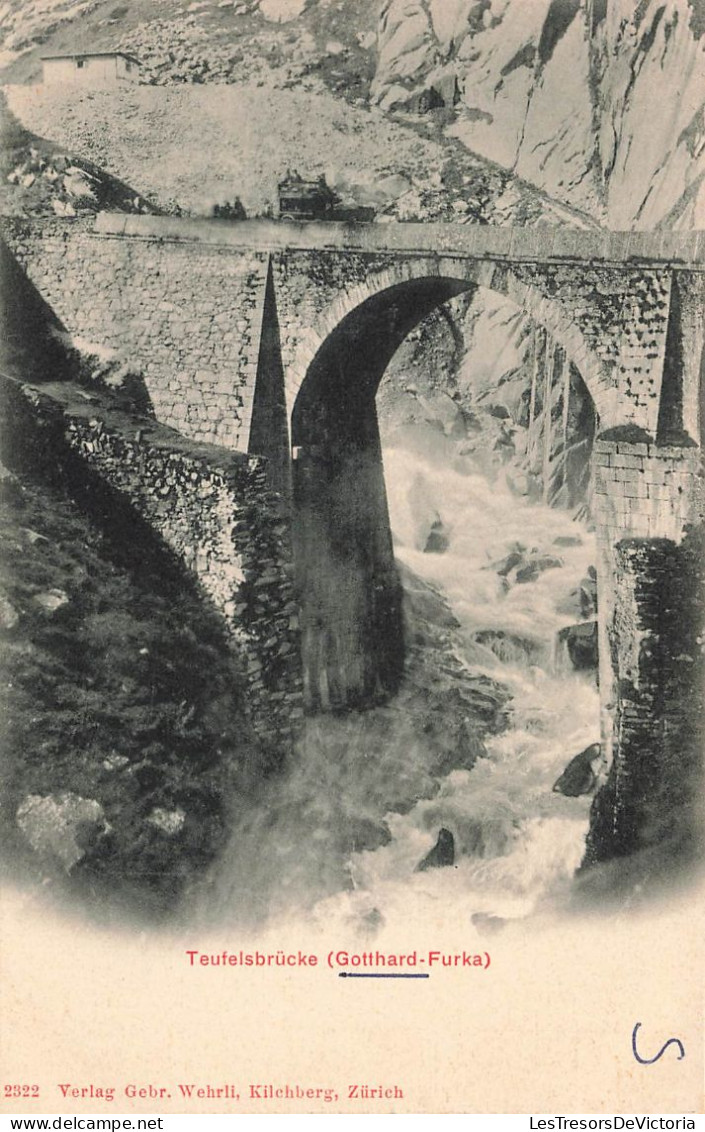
[353,648]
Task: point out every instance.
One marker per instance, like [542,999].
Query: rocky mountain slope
[600,102]
[123,729]
[190,146]
[174,35]
[597,102]
[38,178]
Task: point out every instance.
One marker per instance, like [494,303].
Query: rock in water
[579,776]
[443,853]
[510,647]
[568,540]
[437,541]
[515,558]
[588,594]
[536,566]
[581,643]
[487,924]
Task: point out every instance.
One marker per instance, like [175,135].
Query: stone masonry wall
[645,490]
[653,791]
[212,509]
[648,504]
[308,283]
[623,316]
[612,322]
[640,490]
[183,302]
[186,317]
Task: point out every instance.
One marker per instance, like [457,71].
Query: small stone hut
[90,69]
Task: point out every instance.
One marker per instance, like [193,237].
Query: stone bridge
[272,339]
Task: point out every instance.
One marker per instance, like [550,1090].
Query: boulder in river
[442,854]
[537,566]
[581,603]
[437,541]
[487,924]
[510,647]
[507,564]
[579,776]
[568,540]
[581,644]
[588,594]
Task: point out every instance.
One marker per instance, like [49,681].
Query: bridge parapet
[675,249]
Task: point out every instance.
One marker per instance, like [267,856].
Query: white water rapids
[527,840]
[517,842]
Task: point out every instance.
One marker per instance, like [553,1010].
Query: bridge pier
[655,641]
[350,594]
[652,626]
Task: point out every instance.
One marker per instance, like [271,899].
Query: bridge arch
[465,274]
[349,592]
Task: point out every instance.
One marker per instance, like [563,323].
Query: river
[517,842]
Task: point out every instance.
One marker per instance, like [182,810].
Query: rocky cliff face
[599,102]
